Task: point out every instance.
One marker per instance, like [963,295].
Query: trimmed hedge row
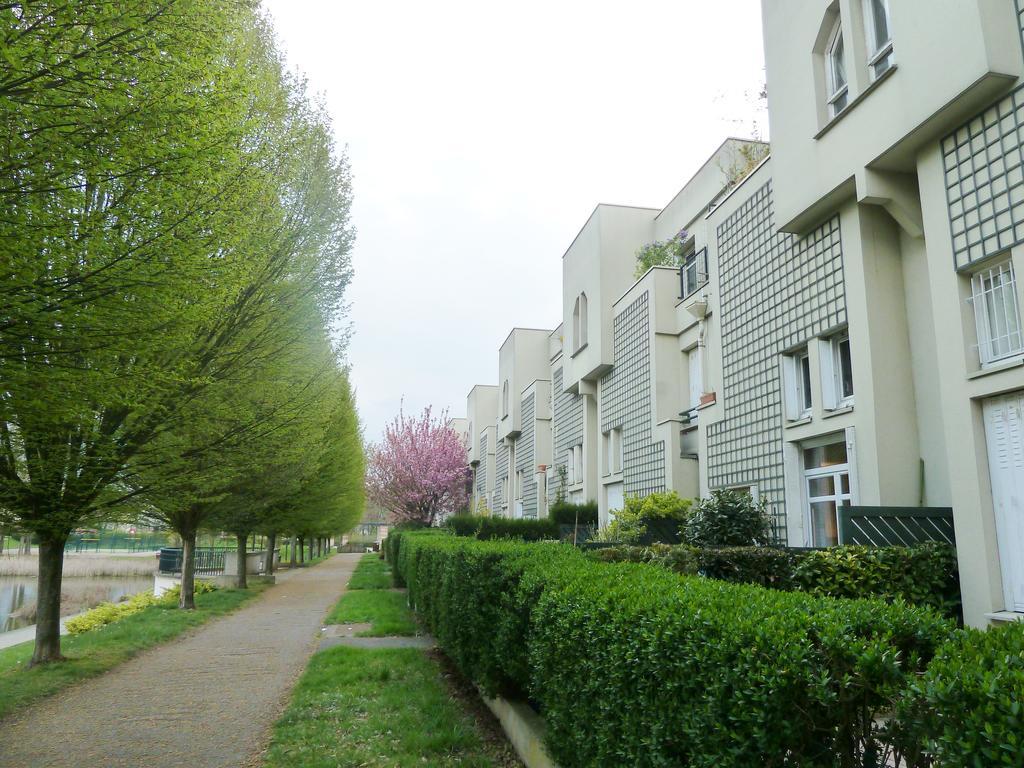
[925,574]
[568,513]
[632,665]
[485,527]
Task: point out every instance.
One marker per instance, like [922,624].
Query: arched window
[835,71]
[504,399]
[579,323]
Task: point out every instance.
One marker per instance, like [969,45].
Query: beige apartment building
[845,332]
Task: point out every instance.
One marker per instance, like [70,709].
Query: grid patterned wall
[500,474]
[777,291]
[985,181]
[524,455]
[481,470]
[626,402]
[567,429]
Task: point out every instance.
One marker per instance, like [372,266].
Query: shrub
[728,518]
[679,670]
[108,613]
[463,525]
[567,513]
[524,530]
[200,587]
[654,518]
[966,709]
[925,574]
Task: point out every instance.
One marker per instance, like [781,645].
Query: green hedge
[487,527]
[925,574]
[633,665]
[967,708]
[567,513]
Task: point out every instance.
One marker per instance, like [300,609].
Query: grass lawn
[94,652]
[371,573]
[375,708]
[386,610]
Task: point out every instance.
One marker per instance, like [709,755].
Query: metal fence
[208,560]
[896,526]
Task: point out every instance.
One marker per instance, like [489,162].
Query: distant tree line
[174,253]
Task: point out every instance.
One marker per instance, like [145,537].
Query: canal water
[18,595]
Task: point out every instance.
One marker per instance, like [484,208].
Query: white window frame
[880,59]
[799,402]
[613,451]
[830,362]
[579,323]
[838,95]
[576,464]
[504,399]
[695,377]
[996,339]
[836,471]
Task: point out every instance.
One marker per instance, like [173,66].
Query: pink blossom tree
[419,471]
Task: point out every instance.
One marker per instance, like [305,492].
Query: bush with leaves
[568,513]
[463,525]
[966,710]
[657,517]
[523,530]
[661,253]
[925,574]
[679,670]
[728,518]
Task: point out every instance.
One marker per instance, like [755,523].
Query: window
[694,271]
[504,399]
[879,38]
[693,359]
[797,381]
[996,313]
[835,71]
[827,488]
[836,372]
[579,323]
[576,465]
[613,451]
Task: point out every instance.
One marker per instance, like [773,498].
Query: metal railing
[896,526]
[208,560]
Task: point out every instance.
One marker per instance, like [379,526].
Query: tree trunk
[271,544]
[302,549]
[242,539]
[292,554]
[51,571]
[319,546]
[187,599]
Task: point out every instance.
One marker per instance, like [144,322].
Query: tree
[418,471]
[155,262]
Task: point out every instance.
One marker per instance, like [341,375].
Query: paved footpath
[207,699]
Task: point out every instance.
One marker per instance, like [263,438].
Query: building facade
[845,328]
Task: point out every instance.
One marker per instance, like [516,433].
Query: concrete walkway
[207,699]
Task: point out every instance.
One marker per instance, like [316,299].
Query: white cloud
[481,136]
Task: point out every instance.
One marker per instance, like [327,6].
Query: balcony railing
[693,273]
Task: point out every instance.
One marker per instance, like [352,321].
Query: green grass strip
[371,573]
[99,650]
[376,708]
[385,610]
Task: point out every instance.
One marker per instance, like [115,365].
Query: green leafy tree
[150,266]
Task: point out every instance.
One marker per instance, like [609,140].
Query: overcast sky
[482,135]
